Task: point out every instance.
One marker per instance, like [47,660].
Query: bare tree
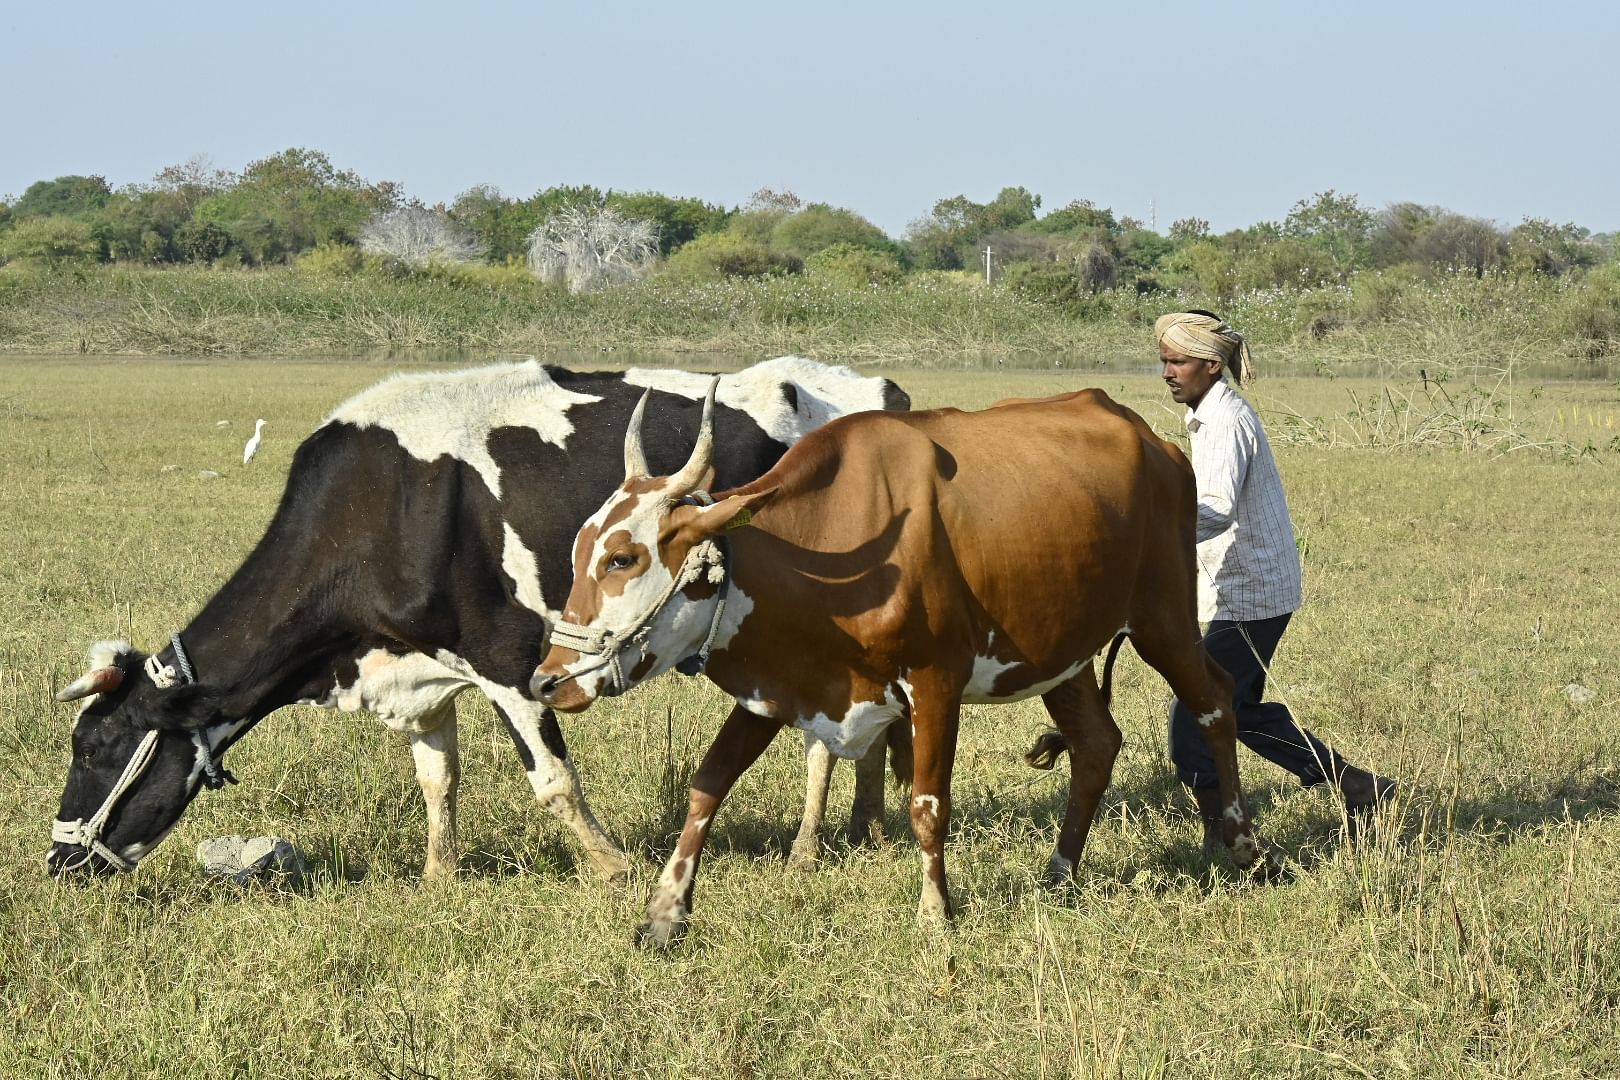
[418,236]
[590,248]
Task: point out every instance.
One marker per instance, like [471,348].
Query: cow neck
[254,634]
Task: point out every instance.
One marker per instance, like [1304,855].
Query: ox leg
[742,738]
[438,772]
[866,816]
[1205,688]
[1093,741]
[818,768]
[551,773]
[934,719]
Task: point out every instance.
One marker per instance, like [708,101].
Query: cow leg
[866,816]
[935,715]
[1093,741]
[545,758]
[438,772]
[742,738]
[1205,688]
[818,768]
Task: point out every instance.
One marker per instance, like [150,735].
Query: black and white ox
[422,545]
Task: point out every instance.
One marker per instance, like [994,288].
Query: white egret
[252,446]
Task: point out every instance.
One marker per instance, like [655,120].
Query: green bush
[819,226]
[202,241]
[727,255]
[331,261]
[1060,287]
[50,241]
[855,267]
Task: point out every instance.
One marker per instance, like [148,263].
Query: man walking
[1249,570]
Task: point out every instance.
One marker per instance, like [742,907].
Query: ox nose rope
[709,560]
[87,833]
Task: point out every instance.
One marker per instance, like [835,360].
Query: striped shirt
[1248,564]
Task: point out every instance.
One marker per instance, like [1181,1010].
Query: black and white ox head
[141,751]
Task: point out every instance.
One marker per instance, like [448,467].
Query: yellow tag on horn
[744,516]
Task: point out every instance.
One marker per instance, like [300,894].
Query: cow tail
[1049,745]
[1108,668]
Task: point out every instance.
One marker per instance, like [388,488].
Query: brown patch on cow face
[642,669]
[622,561]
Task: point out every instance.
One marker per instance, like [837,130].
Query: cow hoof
[662,935]
[1059,872]
[805,856]
[613,870]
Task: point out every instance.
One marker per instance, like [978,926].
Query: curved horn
[691,474]
[100,681]
[635,461]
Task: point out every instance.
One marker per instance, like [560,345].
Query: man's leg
[1245,650]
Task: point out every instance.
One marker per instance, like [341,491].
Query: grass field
[1460,562]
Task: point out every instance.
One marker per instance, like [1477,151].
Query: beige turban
[1205,338]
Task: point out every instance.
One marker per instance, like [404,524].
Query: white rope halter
[87,832]
[706,560]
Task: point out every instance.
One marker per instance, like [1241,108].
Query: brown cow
[900,565]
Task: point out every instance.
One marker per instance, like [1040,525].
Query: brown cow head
[647,577]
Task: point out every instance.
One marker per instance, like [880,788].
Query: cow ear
[731,513]
[183,708]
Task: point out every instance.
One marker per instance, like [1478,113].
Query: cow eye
[622,561]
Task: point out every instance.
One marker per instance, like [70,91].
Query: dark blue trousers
[1245,649]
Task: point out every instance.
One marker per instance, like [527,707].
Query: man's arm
[1220,464]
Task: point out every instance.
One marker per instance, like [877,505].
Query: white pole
[987,264]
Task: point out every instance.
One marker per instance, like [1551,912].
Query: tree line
[297,205]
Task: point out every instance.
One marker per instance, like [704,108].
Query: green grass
[1454,589]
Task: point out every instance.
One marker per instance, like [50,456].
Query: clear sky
[1230,112]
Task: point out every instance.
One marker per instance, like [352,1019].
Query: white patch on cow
[401,690]
[759,706]
[824,392]
[986,669]
[1244,849]
[929,803]
[1235,811]
[700,824]
[853,734]
[520,565]
[108,653]
[1209,718]
[931,906]
[452,413]
[738,607]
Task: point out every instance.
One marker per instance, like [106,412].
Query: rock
[208,474]
[242,858]
[1579,694]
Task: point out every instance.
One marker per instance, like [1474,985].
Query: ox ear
[731,513]
[183,708]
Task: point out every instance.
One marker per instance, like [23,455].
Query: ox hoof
[662,935]
[805,855]
[1059,872]
[613,870]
